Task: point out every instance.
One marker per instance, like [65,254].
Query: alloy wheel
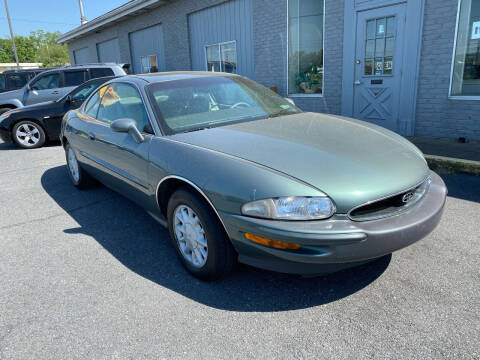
[28,135]
[73,165]
[190,236]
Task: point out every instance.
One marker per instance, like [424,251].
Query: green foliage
[39,46]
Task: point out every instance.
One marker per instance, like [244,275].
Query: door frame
[411,57]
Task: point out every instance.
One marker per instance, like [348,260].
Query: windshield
[197,103]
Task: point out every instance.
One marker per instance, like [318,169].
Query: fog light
[272,243]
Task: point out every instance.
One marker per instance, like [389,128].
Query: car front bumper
[337,243]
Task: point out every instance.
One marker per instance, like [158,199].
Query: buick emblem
[407,197]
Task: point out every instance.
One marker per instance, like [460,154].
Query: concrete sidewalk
[449,155]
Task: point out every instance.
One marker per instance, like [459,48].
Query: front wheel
[28,134]
[197,234]
[79,177]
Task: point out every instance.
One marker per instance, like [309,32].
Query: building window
[149,64]
[466,62]
[305,46]
[222,57]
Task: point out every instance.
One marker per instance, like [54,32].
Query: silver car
[52,84]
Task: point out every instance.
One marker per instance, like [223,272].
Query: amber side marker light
[272,243]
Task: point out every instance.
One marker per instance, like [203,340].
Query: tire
[28,134]
[220,255]
[79,177]
[3,110]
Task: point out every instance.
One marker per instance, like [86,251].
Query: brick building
[412,66]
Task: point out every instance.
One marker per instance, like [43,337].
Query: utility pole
[14,48]
[83,19]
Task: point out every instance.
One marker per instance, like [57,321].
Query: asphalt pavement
[89,275]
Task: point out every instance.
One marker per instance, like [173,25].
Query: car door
[44,88]
[123,161]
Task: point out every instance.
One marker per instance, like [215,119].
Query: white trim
[323,56]
[109,17]
[452,65]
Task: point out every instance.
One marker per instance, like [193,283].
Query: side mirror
[128,126]
[290,101]
[69,99]
[28,88]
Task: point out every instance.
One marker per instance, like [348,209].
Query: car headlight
[291,208]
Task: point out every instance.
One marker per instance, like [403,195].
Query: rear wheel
[28,134]
[79,177]
[201,243]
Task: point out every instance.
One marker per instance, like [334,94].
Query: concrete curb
[450,165]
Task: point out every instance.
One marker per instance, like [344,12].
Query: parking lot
[88,274]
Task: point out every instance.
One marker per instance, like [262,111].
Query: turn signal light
[272,243]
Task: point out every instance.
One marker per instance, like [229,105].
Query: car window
[91,108]
[80,94]
[15,81]
[123,101]
[74,78]
[49,81]
[100,72]
[2,82]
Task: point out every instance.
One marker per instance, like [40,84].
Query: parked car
[15,79]
[237,172]
[53,84]
[32,125]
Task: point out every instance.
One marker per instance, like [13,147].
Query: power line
[37,21]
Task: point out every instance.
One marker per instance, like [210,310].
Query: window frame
[303,95]
[452,65]
[220,54]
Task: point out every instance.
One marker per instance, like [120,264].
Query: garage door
[108,51]
[80,56]
[221,38]
[147,50]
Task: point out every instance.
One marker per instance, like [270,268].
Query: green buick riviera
[238,173]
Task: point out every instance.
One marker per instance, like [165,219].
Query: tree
[39,46]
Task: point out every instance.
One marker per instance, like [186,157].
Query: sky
[50,15]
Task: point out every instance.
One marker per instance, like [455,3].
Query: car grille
[391,205]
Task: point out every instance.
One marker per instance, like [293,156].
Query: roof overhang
[131,8]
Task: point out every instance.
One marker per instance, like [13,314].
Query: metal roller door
[147,50]
[108,51]
[80,56]
[221,38]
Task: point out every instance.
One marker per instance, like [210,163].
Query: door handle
[55,92]
[358,82]
[91,136]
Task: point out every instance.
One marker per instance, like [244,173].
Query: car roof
[178,75]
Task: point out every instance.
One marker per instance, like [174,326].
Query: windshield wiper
[281,113]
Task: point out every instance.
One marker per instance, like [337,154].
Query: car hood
[12,94]
[351,161]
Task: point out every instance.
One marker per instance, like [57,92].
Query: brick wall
[436,115]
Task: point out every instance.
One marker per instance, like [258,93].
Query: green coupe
[238,173]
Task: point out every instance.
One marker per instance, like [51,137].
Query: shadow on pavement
[14,146]
[463,186]
[142,245]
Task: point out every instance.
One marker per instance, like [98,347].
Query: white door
[378,65]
